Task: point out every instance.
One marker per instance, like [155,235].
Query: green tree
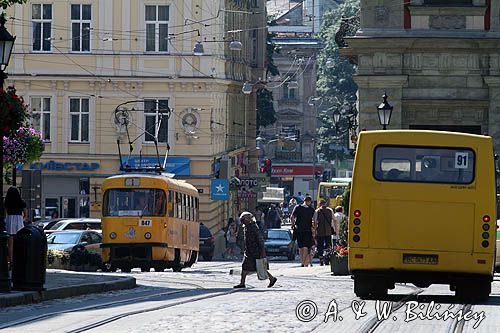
[8,3]
[266,115]
[335,81]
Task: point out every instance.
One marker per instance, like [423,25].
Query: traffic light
[325,176]
[262,169]
[268,167]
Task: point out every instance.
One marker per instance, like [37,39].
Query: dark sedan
[207,244]
[278,242]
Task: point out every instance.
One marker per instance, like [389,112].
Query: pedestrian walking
[231,241]
[323,220]
[337,218]
[260,218]
[15,208]
[273,218]
[254,249]
[301,219]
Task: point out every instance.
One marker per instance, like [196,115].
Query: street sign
[219,189]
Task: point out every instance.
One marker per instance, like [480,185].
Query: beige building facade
[75,62]
[437,60]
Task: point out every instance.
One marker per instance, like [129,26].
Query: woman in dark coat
[254,249]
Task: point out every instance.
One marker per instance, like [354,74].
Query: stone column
[370,91]
[493,83]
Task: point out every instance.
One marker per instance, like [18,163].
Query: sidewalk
[61,284]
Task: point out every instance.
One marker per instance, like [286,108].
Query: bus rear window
[424,164]
[134,202]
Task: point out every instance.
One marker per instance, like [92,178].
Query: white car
[76,224]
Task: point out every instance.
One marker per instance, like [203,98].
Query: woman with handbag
[254,249]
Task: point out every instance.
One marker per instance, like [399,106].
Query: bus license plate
[420,259]
[145,223]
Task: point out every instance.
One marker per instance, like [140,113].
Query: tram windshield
[134,202]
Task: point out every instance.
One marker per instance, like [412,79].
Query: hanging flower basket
[25,145]
[13,111]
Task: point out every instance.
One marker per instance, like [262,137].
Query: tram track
[372,323]
[195,288]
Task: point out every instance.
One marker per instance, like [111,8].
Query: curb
[28,297]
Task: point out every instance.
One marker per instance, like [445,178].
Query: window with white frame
[79,113]
[156,18]
[289,93]
[40,109]
[41,20]
[81,18]
[156,120]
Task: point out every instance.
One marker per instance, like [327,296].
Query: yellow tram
[422,210]
[149,221]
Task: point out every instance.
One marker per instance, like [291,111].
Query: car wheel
[291,256]
[145,269]
[177,268]
[207,257]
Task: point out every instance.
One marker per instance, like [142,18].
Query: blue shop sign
[62,166]
[176,165]
[219,189]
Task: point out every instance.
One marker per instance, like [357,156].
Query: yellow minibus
[423,211]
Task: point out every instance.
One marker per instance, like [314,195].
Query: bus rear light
[358,256]
[356,230]
[481,261]
[486,218]
[485,243]
[486,227]
[112,235]
[356,238]
[357,221]
[357,213]
[147,235]
[486,235]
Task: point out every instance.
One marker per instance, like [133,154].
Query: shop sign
[247,194]
[63,166]
[176,165]
[295,170]
[248,182]
[219,189]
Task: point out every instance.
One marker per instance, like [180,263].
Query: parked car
[68,240]
[279,242]
[47,225]
[207,243]
[76,224]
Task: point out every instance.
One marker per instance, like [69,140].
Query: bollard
[30,252]
[4,266]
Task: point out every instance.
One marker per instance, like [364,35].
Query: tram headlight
[112,235]
[486,227]
[147,235]
[486,235]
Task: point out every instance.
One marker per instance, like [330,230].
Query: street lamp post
[6,45]
[384,111]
